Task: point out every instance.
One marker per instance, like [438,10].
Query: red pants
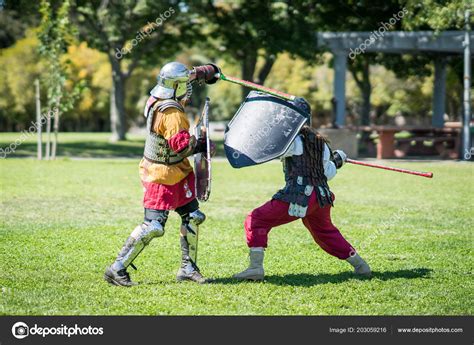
[318,221]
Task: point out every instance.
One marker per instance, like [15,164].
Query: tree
[435,14]
[360,70]
[132,33]
[19,67]
[358,16]
[15,19]
[253,33]
[55,34]
[440,15]
[91,68]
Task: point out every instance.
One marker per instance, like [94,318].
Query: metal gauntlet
[207,73]
[339,158]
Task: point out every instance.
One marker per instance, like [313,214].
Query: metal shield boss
[202,161]
[262,129]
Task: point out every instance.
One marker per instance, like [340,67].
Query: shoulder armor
[161,106]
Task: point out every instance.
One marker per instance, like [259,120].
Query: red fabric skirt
[169,197]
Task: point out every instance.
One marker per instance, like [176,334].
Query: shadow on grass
[132,148]
[304,279]
[92,149]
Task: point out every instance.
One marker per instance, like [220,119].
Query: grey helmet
[304,106]
[172,82]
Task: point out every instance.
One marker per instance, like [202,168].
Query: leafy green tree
[368,16]
[132,33]
[225,97]
[253,33]
[361,15]
[19,67]
[435,14]
[55,35]
[15,19]
[91,68]
[440,15]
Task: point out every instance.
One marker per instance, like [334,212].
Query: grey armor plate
[261,130]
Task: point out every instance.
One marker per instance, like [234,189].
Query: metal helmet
[304,106]
[172,82]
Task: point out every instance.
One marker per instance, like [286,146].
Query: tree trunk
[38,121]
[56,129]
[249,67]
[363,83]
[48,136]
[117,101]
[248,70]
[265,70]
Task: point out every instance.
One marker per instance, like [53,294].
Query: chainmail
[306,170]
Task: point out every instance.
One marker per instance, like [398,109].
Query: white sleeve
[295,149]
[329,166]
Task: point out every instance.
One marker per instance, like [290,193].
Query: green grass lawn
[64,221]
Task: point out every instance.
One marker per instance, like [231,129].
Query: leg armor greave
[191,222]
[139,239]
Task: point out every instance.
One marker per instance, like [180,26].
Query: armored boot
[255,270]
[116,273]
[361,268]
[118,277]
[188,270]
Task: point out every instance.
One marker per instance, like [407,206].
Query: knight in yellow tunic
[166,174]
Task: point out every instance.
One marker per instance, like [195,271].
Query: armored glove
[207,73]
[201,146]
[339,158]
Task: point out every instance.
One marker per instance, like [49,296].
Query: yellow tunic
[167,124]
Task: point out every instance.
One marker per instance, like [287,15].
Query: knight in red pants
[308,165]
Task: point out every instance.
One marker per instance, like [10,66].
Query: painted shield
[202,161]
[262,129]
